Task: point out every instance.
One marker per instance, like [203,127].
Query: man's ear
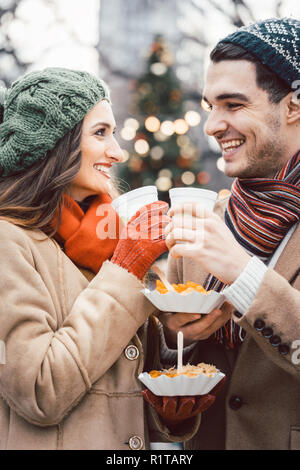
[293,107]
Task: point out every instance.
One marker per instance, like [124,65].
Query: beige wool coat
[74,350]
[260,406]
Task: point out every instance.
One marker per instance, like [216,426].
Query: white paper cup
[184,195]
[129,203]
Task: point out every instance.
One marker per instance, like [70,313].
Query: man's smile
[230,147]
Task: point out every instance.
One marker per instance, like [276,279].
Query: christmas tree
[163,153]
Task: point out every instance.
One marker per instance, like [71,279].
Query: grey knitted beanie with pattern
[39,109]
[275,43]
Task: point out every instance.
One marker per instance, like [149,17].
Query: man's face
[248,127]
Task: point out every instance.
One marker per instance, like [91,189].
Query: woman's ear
[293,107]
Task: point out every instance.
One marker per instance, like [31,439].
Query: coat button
[259,324]
[275,340]
[267,332]
[283,349]
[136,443]
[235,402]
[132,352]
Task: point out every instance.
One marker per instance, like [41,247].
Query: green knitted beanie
[275,43]
[39,109]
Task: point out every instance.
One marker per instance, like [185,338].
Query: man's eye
[233,105]
[206,106]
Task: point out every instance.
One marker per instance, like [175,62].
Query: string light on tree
[163,183]
[221,164]
[192,118]
[188,178]
[125,155]
[158,68]
[181,126]
[128,133]
[156,152]
[167,128]
[152,124]
[132,123]
[141,147]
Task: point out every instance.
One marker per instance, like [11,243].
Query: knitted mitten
[174,410]
[142,240]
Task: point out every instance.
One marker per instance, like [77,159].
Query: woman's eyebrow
[105,124]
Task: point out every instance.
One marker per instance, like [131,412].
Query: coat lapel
[288,262]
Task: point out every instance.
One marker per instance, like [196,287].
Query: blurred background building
[153,54]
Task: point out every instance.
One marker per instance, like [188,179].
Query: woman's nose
[114,151]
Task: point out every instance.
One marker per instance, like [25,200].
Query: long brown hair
[31,198]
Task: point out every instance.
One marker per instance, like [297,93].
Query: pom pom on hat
[39,109]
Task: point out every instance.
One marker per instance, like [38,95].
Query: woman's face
[99,150]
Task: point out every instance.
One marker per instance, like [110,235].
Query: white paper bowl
[180,385]
[193,302]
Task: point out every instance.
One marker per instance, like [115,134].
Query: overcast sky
[65,32]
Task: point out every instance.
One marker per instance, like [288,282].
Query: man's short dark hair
[265,78]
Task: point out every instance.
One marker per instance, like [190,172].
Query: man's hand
[194,327]
[211,243]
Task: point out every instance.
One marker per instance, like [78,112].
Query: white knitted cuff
[243,290]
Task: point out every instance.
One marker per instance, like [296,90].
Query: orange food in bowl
[190,286]
[188,370]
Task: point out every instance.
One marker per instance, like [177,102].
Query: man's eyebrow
[105,124]
[227,96]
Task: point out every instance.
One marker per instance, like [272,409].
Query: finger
[185,407]
[168,228]
[188,221]
[186,249]
[152,399]
[205,326]
[206,330]
[155,208]
[218,387]
[205,402]
[178,320]
[169,406]
[186,235]
[191,208]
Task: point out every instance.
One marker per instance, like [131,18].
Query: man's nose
[114,151]
[215,124]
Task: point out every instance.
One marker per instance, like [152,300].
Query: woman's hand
[175,410]
[194,327]
[143,240]
[210,241]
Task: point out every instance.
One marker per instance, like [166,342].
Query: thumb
[185,249]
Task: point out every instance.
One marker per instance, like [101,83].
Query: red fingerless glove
[173,410]
[142,240]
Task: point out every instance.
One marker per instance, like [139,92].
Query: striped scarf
[259,214]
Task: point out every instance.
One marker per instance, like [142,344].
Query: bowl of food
[186,298]
[188,380]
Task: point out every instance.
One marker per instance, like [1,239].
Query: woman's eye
[101,132]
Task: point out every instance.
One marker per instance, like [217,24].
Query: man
[250,246]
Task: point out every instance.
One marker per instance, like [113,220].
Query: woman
[74,324]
